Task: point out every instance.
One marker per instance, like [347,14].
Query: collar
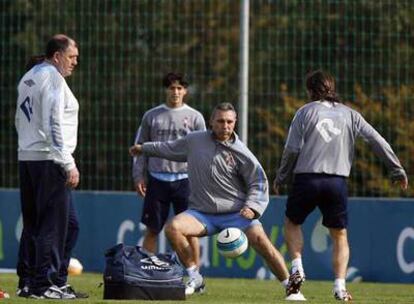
[326,103]
[228,142]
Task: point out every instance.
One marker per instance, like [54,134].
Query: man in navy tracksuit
[47,126]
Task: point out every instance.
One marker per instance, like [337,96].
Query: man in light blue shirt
[164,183]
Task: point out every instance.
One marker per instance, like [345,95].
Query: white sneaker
[53,292]
[71,291]
[295,297]
[195,285]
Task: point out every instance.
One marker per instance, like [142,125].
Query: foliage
[126,47]
[368,175]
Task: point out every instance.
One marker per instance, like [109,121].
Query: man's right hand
[275,187]
[403,183]
[141,187]
[135,150]
[72,178]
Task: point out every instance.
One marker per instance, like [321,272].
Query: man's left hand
[135,150]
[248,213]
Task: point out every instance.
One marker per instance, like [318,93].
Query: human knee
[151,233]
[258,240]
[338,232]
[172,228]
[290,225]
[339,235]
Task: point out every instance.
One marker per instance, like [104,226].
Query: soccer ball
[75,267]
[232,242]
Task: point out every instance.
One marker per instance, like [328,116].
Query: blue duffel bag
[130,273]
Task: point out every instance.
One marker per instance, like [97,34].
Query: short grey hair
[224,106]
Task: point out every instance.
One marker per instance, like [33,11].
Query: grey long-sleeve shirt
[322,137]
[162,124]
[224,177]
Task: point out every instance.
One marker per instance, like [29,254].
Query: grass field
[239,291]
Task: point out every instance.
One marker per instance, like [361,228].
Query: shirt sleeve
[257,196]
[294,143]
[140,163]
[200,124]
[175,150]
[380,147]
[53,106]
[284,174]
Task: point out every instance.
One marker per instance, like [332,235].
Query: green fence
[126,46]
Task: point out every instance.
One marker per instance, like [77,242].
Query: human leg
[52,208]
[195,247]
[179,231]
[150,240]
[294,239]
[70,242]
[71,239]
[340,259]
[26,258]
[179,198]
[333,206]
[300,203]
[155,211]
[340,256]
[263,246]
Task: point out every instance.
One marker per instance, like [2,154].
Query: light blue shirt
[169,177]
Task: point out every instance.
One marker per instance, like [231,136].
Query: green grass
[240,291]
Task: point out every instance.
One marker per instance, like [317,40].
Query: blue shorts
[158,199]
[214,223]
[327,192]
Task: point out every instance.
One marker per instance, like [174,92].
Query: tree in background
[126,46]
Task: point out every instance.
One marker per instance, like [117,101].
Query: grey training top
[322,137]
[163,123]
[224,176]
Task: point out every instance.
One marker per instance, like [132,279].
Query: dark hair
[224,106]
[34,60]
[321,86]
[58,43]
[171,77]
